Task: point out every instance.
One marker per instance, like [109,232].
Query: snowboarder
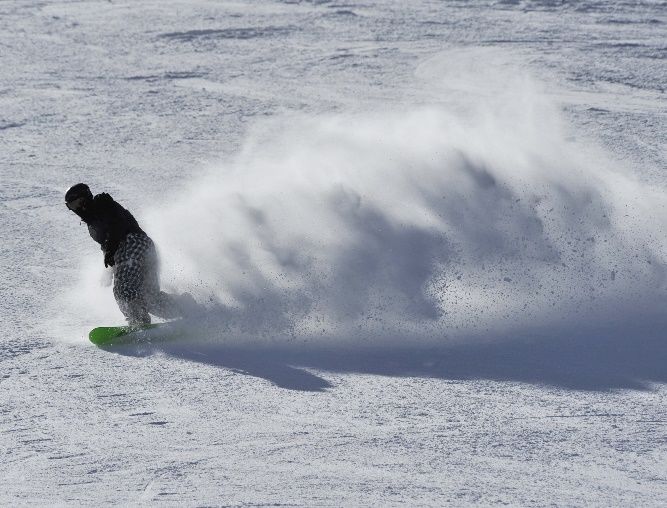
[132,255]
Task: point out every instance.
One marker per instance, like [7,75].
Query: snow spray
[474,215]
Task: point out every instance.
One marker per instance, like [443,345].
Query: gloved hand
[108,259]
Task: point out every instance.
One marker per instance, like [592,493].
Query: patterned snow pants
[136,284]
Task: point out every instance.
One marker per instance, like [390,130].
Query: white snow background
[430,237]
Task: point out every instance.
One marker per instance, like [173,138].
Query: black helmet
[80,190]
[77,196]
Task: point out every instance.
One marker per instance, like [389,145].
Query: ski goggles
[76,204]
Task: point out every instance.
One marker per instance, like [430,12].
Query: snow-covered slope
[430,236]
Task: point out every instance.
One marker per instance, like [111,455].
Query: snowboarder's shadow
[597,358]
[252,362]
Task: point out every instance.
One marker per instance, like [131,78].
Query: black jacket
[108,224]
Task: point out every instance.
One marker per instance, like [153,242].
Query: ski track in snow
[563,406]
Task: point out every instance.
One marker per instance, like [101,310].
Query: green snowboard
[114,335]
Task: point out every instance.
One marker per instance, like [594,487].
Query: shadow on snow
[625,357]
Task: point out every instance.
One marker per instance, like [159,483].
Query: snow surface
[430,236]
